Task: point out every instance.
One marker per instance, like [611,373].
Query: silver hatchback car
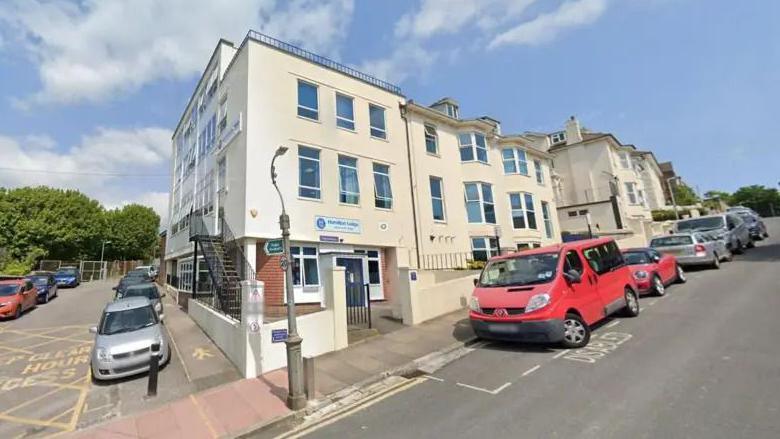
[124,338]
[728,227]
[692,248]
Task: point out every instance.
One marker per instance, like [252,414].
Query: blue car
[45,284]
[67,277]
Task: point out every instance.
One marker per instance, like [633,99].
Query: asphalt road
[45,387]
[701,362]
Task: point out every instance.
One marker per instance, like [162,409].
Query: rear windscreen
[668,241]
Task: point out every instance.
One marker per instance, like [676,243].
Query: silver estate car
[726,226]
[124,337]
[692,248]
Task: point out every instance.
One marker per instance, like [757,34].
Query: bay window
[480,208]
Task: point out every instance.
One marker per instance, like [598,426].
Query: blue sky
[95,87]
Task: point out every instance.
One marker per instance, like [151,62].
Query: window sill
[520,174]
[433,154]
[380,139]
[476,162]
[316,200]
[353,131]
[308,119]
[440,222]
[383,209]
[349,205]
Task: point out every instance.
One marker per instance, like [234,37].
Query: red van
[552,294]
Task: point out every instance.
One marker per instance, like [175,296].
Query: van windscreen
[520,270]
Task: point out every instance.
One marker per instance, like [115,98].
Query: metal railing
[233,250]
[329,63]
[453,261]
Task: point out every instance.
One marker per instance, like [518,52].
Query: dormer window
[558,137]
[451,110]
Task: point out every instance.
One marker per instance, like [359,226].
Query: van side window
[573,262]
[593,257]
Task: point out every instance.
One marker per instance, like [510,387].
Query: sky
[91,90]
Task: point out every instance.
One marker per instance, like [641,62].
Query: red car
[653,271]
[17,295]
[552,294]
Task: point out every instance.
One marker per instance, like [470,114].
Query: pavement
[700,362]
[45,387]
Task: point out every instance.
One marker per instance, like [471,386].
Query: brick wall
[388,279]
[272,276]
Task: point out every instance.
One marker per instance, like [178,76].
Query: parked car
[727,226]
[68,277]
[147,289]
[132,278]
[17,295]
[123,339]
[552,294]
[754,222]
[653,271]
[692,249]
[148,269]
[45,284]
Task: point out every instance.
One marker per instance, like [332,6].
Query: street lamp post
[671,193]
[296,399]
[102,250]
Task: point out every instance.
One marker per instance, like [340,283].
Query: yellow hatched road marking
[36,422]
[79,404]
[38,398]
[24,351]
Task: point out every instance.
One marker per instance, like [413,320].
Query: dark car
[753,220]
[45,283]
[146,289]
[131,278]
[68,277]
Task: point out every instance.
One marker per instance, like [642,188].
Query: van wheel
[740,248]
[751,244]
[658,286]
[632,303]
[681,279]
[576,333]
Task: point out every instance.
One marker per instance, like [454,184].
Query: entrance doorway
[357,290]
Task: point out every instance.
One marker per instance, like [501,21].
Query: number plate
[503,329]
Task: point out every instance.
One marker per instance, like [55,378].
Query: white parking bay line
[613,324]
[652,302]
[561,353]
[532,370]
[480,389]
[431,377]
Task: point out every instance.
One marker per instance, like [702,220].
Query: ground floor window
[373,265]
[305,266]
[483,248]
[185,275]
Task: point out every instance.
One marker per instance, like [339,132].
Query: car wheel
[751,244]
[766,235]
[658,286]
[632,303]
[18,312]
[740,248]
[576,333]
[46,298]
[681,279]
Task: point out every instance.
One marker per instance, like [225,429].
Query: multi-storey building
[371,182]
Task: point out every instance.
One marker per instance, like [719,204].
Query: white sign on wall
[332,224]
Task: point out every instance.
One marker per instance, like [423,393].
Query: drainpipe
[403,110]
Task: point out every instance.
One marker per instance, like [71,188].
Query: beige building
[606,185]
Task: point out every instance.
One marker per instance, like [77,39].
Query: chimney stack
[573,131]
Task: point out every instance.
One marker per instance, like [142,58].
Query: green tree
[132,231]
[722,195]
[684,195]
[40,222]
[765,201]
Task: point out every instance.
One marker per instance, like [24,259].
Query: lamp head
[281,150]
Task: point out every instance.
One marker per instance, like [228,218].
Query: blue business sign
[278,335]
[332,224]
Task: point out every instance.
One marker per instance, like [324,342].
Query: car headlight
[640,275]
[4,304]
[474,304]
[537,301]
[102,354]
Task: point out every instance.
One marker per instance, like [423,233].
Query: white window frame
[631,193]
[371,128]
[302,266]
[519,157]
[318,160]
[342,191]
[474,147]
[342,118]
[431,134]
[524,210]
[389,185]
[298,100]
[431,178]
[560,136]
[481,200]
[487,242]
[625,159]
[451,111]
[547,218]
[539,172]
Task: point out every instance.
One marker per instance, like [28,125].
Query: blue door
[354,280]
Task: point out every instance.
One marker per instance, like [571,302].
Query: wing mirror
[476,281]
[656,258]
[93,330]
[572,276]
[113,288]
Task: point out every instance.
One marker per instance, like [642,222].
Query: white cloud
[89,165]
[546,27]
[405,60]
[97,49]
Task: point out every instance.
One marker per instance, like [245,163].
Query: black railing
[329,63]
[358,305]
[234,250]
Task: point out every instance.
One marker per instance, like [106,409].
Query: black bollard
[154,367]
